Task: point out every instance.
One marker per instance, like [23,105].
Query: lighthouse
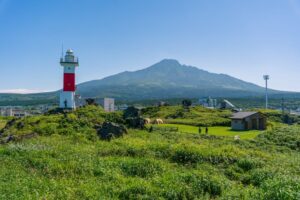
[67,96]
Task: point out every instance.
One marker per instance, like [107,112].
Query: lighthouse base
[67,100]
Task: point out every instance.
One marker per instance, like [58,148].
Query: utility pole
[266,78]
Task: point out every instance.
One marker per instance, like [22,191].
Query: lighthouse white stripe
[69,70]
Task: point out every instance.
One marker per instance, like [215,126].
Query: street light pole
[266,78]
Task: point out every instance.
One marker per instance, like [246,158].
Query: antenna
[266,78]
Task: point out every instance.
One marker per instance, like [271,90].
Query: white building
[109,104]
[6,112]
[208,102]
[13,112]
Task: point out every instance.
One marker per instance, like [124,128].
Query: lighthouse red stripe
[69,82]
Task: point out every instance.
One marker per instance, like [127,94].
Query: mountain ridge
[162,80]
[169,73]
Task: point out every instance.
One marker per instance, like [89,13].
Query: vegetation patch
[141,167]
[68,161]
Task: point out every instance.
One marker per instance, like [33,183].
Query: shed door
[246,125]
[254,123]
[261,124]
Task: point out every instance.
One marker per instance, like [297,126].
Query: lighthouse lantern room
[67,96]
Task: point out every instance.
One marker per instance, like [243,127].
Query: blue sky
[242,38]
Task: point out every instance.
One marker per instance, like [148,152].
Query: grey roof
[242,115]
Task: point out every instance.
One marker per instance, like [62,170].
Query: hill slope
[168,79]
[164,80]
[64,159]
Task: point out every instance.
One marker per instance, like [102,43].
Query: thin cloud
[21,91]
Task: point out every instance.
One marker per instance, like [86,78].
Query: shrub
[135,122]
[282,136]
[258,176]
[186,156]
[192,155]
[247,164]
[191,186]
[137,192]
[281,188]
[141,167]
[131,112]
[109,130]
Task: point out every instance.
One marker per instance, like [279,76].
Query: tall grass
[68,161]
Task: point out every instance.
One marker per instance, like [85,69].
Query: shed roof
[242,115]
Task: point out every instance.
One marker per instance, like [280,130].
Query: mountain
[169,79]
[163,80]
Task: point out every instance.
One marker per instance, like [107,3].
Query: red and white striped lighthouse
[67,96]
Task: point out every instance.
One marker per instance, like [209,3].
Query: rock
[135,122]
[109,130]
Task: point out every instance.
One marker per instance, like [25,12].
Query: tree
[186,103]
[131,112]
[90,101]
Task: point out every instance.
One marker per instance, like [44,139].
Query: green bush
[248,164]
[285,136]
[259,176]
[137,192]
[191,186]
[281,188]
[142,168]
[187,156]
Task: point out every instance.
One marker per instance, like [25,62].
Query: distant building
[79,101]
[20,113]
[6,112]
[241,121]
[161,103]
[108,104]
[13,112]
[122,107]
[208,102]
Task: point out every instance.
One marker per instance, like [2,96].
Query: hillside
[169,79]
[164,80]
[66,160]
[28,99]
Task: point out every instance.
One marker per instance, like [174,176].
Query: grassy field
[141,165]
[67,160]
[2,123]
[195,116]
[215,130]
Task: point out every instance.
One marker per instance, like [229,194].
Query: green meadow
[67,160]
[214,130]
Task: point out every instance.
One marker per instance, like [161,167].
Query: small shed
[248,121]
